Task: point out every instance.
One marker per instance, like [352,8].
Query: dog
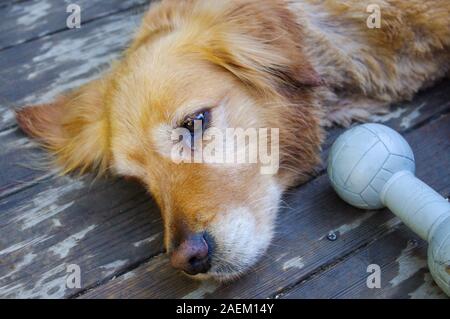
[295,65]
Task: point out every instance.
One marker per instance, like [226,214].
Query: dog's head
[223,64]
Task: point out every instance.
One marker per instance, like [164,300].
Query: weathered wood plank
[408,115]
[23,22]
[6,3]
[19,158]
[301,246]
[401,256]
[38,71]
[60,62]
[69,59]
[41,69]
[24,163]
[104,229]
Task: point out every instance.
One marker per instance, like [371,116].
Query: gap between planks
[113,276]
[323,269]
[320,171]
[138,263]
[419,125]
[333,262]
[137,6]
[7,3]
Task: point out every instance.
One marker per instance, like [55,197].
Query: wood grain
[37,71]
[32,185]
[402,257]
[24,22]
[301,247]
[104,229]
[25,164]
[111,228]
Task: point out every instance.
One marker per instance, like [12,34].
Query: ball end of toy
[363,159]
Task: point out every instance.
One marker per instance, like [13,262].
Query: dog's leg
[344,111]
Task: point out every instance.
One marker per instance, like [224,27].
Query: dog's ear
[74,128]
[261,44]
[263,67]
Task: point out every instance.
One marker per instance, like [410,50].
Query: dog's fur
[296,65]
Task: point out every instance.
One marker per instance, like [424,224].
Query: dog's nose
[192,255]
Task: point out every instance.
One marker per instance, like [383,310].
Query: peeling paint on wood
[281,257]
[428,290]
[20,144]
[395,114]
[113,267]
[26,260]
[118,206]
[127,276]
[63,248]
[408,264]
[205,288]
[316,206]
[296,262]
[52,65]
[392,223]
[51,285]
[56,222]
[45,205]
[147,240]
[6,115]
[407,120]
[343,229]
[33,12]
[407,114]
[24,244]
[37,18]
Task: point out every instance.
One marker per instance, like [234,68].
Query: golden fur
[296,65]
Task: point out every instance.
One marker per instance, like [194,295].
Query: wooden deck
[112,229]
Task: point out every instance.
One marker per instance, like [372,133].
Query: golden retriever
[293,65]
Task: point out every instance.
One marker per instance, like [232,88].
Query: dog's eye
[190,121]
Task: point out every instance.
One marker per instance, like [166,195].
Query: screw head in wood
[332,236]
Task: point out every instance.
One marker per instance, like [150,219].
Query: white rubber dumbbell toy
[372,166]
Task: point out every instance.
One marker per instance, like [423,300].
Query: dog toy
[372,166]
